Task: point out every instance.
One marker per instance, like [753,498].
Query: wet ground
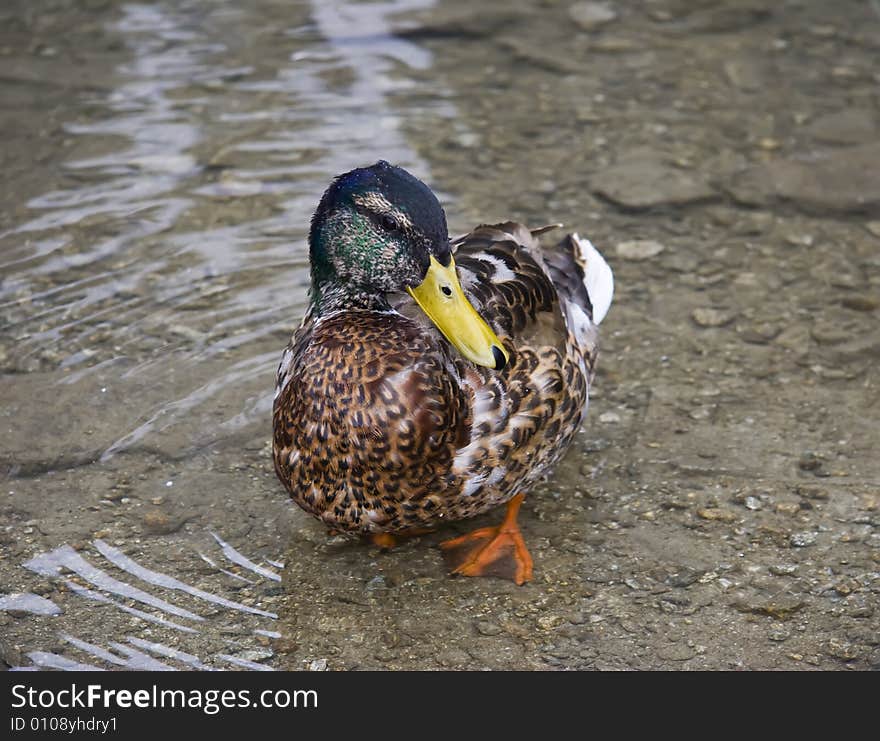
[160,161]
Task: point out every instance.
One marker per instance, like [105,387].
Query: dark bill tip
[500,362]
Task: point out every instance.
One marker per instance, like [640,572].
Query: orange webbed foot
[492,551]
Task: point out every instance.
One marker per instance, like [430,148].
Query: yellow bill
[440,296]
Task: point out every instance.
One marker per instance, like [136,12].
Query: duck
[432,379]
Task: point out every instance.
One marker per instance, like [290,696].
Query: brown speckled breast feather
[379,424]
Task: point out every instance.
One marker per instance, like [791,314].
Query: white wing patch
[598,278]
[501,272]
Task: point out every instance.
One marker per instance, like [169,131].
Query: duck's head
[379,230]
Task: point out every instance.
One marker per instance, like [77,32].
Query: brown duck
[431,380]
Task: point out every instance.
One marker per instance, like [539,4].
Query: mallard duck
[432,380]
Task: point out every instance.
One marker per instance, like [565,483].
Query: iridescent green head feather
[374,232]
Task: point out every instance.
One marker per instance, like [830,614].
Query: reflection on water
[185,240]
[65,559]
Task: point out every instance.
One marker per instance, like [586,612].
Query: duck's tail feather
[581,275]
[598,278]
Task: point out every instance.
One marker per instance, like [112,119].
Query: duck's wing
[502,272]
[537,301]
[518,285]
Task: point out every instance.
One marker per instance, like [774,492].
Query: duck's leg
[387,541]
[492,551]
[383,541]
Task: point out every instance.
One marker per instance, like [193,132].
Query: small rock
[701,413]
[850,126]
[707,317]
[843,278]
[589,16]
[811,492]
[721,17]
[454,657]
[760,333]
[318,665]
[833,181]
[780,610]
[809,461]
[841,650]
[467,140]
[744,74]
[783,569]
[285,645]
[639,249]
[641,179]
[860,303]
[800,240]
[788,508]
[778,634]
[795,337]
[256,654]
[861,611]
[487,628]
[714,513]
[826,333]
[802,539]
[232,630]
[863,346]
[160,523]
[846,586]
[187,333]
[843,72]
[824,31]
[753,503]
[683,578]
[596,446]
[873,227]
[609,418]
[676,652]
[549,622]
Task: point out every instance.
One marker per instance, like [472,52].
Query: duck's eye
[447,291]
[389,223]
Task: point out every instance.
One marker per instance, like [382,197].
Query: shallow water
[162,160]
